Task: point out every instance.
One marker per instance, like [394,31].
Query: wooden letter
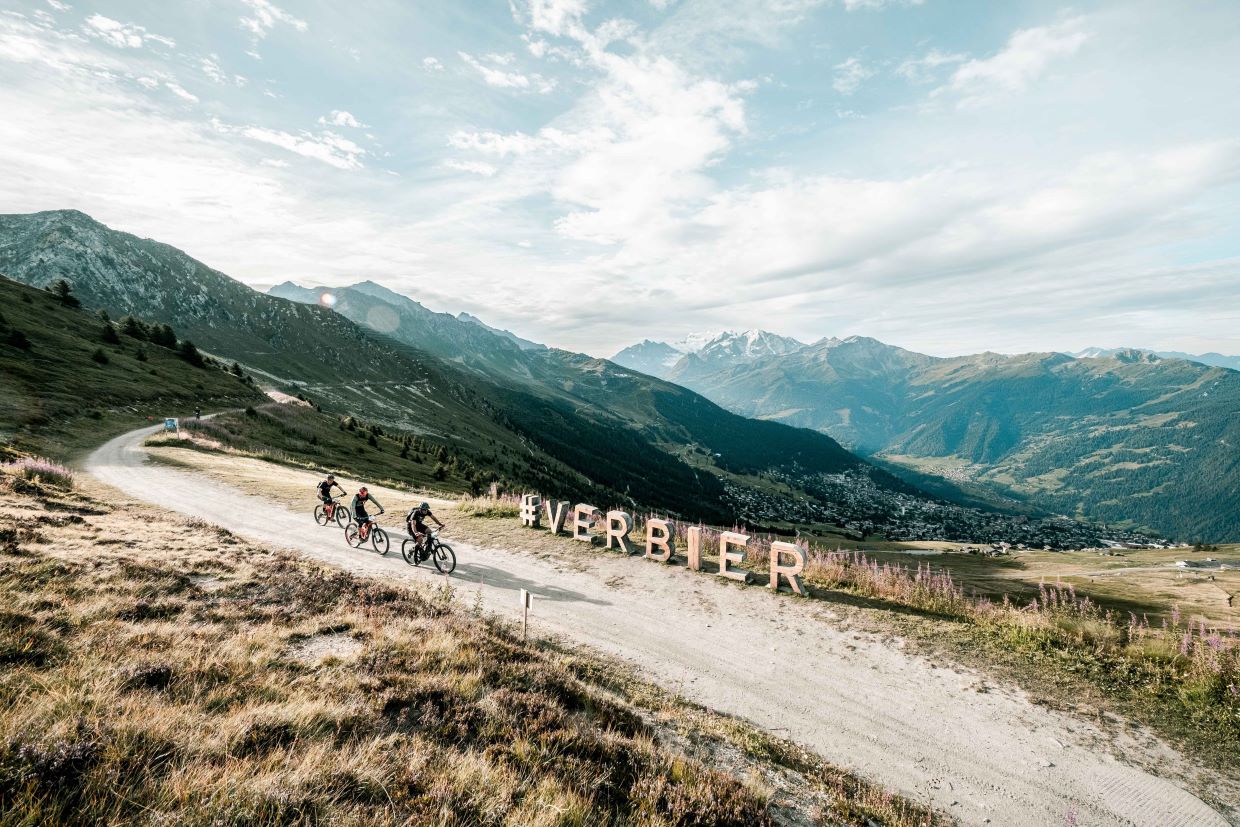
[583,519]
[659,535]
[555,510]
[694,552]
[790,572]
[529,510]
[727,541]
[619,524]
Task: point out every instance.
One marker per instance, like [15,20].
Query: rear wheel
[320,514]
[379,539]
[409,550]
[352,536]
[444,557]
[341,515]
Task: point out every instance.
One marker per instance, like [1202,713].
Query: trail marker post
[526,599]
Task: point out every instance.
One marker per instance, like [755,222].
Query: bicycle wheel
[320,514]
[352,536]
[379,539]
[409,550]
[342,516]
[444,557]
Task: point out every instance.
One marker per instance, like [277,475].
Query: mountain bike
[440,554]
[331,512]
[355,535]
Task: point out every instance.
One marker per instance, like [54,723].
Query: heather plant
[42,471]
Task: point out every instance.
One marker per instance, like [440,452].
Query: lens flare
[327,299]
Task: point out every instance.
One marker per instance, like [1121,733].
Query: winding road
[925,730]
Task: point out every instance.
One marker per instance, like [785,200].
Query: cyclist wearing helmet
[415,521]
[360,500]
[326,486]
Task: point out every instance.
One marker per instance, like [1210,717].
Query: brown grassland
[159,670]
[1072,655]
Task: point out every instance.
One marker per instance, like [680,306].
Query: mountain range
[569,424]
[565,423]
[1124,436]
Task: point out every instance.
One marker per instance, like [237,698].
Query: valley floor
[939,734]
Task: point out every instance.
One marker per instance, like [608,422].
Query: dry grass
[160,670]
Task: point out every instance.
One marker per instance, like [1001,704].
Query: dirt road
[987,757]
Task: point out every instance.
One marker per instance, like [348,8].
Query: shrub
[190,354]
[46,472]
[133,328]
[108,334]
[63,293]
[99,356]
[140,355]
[163,335]
[17,339]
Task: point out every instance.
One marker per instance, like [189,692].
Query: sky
[950,176]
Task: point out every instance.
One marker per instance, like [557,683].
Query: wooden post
[526,598]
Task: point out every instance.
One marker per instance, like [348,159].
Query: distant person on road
[197,413]
[415,521]
[360,500]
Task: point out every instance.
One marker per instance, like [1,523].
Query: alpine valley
[1124,436]
[491,407]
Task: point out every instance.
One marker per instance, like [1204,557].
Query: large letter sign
[555,511]
[659,535]
[619,525]
[787,561]
[728,541]
[778,550]
[529,510]
[583,519]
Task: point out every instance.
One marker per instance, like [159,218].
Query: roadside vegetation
[70,377]
[160,670]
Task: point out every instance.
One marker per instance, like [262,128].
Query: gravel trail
[987,757]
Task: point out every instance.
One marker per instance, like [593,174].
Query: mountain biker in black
[326,486]
[360,500]
[415,522]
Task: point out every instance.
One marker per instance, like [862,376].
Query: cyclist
[325,492]
[360,500]
[415,522]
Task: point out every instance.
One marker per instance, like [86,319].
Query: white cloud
[122,35]
[148,83]
[1027,55]
[476,167]
[849,76]
[180,92]
[503,79]
[339,117]
[58,5]
[264,16]
[326,146]
[211,68]
[854,5]
[432,64]
[922,69]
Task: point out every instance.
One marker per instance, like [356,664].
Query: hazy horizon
[949,178]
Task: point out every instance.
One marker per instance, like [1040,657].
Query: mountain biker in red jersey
[360,500]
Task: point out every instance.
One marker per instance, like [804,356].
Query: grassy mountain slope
[1130,439]
[58,397]
[561,422]
[537,384]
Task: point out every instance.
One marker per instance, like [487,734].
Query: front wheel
[379,539]
[342,516]
[352,535]
[409,550]
[444,557]
[320,514]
